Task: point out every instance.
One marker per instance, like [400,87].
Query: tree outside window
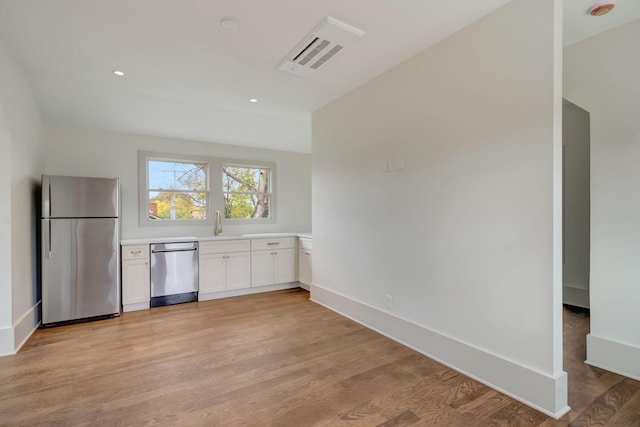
[177,190]
[247,192]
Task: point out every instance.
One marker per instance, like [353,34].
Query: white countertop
[149,240]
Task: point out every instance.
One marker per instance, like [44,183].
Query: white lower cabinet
[304,266]
[224,266]
[304,260]
[273,261]
[262,268]
[284,270]
[136,292]
[238,271]
[213,273]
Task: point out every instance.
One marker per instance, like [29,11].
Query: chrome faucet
[217,224]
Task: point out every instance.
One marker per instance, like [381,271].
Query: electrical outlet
[388,302]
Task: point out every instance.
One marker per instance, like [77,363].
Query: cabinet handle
[307,253]
[139,251]
[273,243]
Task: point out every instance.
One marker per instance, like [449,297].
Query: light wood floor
[272,359]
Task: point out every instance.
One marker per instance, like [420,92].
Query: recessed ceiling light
[230,23]
[118,73]
[602,9]
[254,100]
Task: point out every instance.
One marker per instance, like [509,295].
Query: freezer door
[80,269]
[78,197]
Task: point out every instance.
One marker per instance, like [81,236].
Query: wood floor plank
[516,415]
[406,418]
[608,404]
[629,414]
[330,372]
[272,359]
[485,406]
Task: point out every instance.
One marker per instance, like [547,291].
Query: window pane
[247,192]
[246,206]
[176,190]
[167,175]
[177,205]
[245,179]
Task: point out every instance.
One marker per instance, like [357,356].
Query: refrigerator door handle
[47,224]
[49,201]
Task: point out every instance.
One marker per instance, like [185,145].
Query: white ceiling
[579,24]
[186,77]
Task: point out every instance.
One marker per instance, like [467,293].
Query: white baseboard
[13,338]
[247,291]
[304,286]
[136,306]
[25,326]
[575,296]
[623,359]
[546,393]
[7,346]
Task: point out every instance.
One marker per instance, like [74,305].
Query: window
[183,190]
[246,191]
[176,190]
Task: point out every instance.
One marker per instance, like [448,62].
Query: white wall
[466,237]
[81,152]
[6,330]
[601,76]
[576,190]
[21,143]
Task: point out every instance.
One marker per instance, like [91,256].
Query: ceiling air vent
[327,39]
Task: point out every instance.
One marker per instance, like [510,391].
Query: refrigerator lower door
[80,269]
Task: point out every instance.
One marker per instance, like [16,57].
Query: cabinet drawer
[305,243]
[278,243]
[225,247]
[135,252]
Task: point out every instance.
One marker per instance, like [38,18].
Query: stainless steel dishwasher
[174,273]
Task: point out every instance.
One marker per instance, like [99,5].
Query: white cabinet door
[304,266]
[284,266]
[135,281]
[273,267]
[261,268]
[238,270]
[212,273]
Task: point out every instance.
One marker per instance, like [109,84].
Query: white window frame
[272,191]
[215,194]
[143,180]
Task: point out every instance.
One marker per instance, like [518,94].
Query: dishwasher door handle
[160,251]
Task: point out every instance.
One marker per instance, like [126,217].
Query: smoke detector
[602,9]
[327,39]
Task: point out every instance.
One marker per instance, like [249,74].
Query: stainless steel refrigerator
[80,248]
